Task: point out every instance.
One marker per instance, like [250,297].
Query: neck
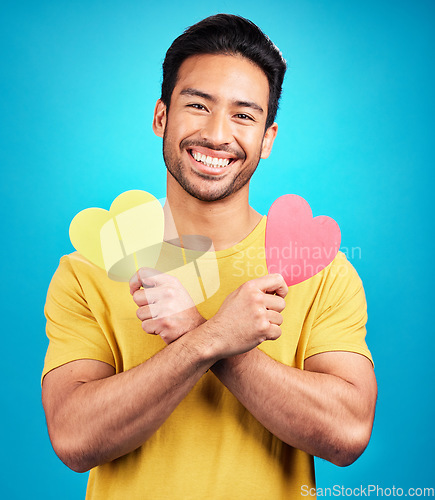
[226,222]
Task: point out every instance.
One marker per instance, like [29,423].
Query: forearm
[319,413]
[101,420]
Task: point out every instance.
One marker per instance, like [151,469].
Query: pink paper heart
[299,246]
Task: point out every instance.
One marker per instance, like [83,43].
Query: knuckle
[248,286]
[170,306]
[258,298]
[154,310]
[263,325]
[170,292]
[166,322]
[258,313]
[174,280]
[143,273]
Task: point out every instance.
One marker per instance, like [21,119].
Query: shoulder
[75,272]
[339,283]
[74,264]
[341,271]
[338,275]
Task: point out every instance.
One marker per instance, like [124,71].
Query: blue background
[78,88]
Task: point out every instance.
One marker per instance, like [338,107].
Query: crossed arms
[95,416]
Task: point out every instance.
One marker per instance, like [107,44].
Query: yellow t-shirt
[210,447]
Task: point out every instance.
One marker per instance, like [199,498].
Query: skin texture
[165,307]
[202,115]
[327,409]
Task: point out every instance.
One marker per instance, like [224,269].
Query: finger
[147,296]
[150,326]
[135,283]
[152,277]
[140,297]
[274,332]
[274,302]
[144,313]
[145,277]
[274,318]
[272,283]
[153,295]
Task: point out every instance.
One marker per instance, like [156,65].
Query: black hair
[226,34]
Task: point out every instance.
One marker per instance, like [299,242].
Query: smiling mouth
[211,161]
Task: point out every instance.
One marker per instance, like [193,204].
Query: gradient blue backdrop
[78,88]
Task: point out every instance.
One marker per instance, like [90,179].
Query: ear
[159,120]
[268,139]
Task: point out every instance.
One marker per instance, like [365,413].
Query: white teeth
[210,161]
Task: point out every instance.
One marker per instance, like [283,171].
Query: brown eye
[242,116]
[196,106]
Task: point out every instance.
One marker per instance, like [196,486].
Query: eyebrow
[249,104]
[242,104]
[198,93]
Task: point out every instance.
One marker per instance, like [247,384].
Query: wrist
[201,344]
[198,319]
[236,365]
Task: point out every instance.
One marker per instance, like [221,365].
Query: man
[230,399]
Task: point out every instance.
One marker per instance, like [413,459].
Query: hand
[165,307]
[249,315]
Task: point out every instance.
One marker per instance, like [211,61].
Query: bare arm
[94,416]
[326,410]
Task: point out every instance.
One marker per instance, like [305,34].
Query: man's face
[214,132]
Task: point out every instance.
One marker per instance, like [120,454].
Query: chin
[206,188]
[204,194]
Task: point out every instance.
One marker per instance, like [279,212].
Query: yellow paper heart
[130,236]
[122,239]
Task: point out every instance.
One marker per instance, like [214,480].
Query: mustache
[190,143]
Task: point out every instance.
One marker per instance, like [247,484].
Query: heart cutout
[112,239]
[130,235]
[299,246]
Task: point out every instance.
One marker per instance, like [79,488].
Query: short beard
[176,169]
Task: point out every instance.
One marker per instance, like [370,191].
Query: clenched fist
[165,307]
[249,316]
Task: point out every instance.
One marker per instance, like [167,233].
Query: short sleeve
[72,330]
[340,322]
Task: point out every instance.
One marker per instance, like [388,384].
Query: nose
[218,129]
